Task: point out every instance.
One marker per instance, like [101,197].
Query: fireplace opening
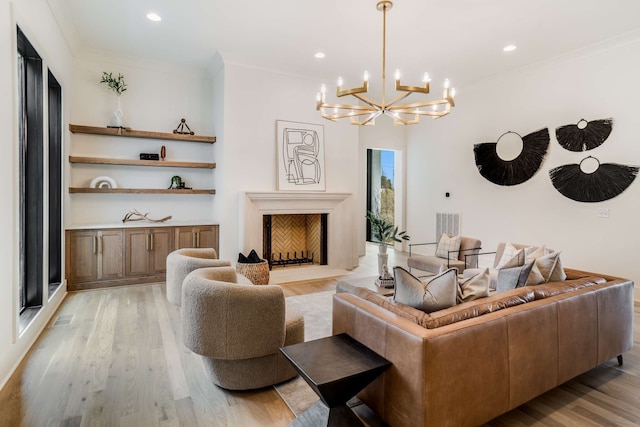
[295,239]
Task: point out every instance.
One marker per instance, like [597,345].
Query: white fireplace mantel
[342,253]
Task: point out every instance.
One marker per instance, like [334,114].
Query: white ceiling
[459,39]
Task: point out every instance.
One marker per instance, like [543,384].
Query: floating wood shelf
[94,130]
[131,162]
[86,190]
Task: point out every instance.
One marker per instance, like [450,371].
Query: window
[380,185]
[55,183]
[30,104]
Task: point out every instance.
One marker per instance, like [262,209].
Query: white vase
[116,120]
[382,248]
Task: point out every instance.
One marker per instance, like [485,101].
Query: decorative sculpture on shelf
[180,129]
[117,85]
[137,216]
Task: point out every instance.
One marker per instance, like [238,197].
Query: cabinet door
[82,256]
[161,244]
[136,252]
[207,237]
[185,237]
[111,254]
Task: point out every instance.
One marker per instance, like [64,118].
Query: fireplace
[336,208]
[295,239]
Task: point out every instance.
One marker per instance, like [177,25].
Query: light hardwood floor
[114,357]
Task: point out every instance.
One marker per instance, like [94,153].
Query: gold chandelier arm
[369,120]
[400,97]
[413,89]
[363,89]
[368,101]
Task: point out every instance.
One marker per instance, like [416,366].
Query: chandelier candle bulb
[340,83]
[366,76]
[426,78]
[397,75]
[446,83]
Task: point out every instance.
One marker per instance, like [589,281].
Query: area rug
[316,309]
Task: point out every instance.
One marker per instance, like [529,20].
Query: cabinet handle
[95,245]
[151,240]
[197,239]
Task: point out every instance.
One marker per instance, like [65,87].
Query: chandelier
[366,112]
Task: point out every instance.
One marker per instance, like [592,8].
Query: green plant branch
[384,231]
[116,84]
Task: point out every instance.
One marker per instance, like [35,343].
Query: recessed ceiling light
[509,48]
[319,55]
[154,17]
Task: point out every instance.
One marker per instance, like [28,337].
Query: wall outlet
[603,213]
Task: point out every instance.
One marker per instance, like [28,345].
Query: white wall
[34,18]
[596,83]
[253,100]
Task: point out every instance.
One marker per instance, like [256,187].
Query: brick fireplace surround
[342,250]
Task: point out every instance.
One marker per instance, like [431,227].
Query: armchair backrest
[469,247]
[222,319]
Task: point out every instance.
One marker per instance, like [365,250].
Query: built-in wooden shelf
[132,162]
[94,130]
[86,190]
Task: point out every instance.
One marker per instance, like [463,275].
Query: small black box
[149,156]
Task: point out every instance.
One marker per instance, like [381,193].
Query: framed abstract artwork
[300,154]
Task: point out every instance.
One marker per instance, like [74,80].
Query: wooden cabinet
[98,258]
[94,255]
[197,237]
[146,250]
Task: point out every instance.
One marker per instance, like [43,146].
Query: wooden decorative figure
[518,170]
[180,129]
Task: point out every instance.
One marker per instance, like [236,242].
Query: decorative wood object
[180,129]
[584,135]
[137,216]
[606,182]
[518,170]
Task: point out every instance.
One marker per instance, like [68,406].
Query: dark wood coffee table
[336,368]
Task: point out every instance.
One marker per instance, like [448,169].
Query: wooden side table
[336,368]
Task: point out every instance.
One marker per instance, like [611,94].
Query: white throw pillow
[474,287]
[550,267]
[448,247]
[435,293]
[511,257]
[531,253]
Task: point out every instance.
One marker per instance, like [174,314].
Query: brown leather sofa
[470,363]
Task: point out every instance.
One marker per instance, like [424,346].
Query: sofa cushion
[435,293]
[473,287]
[511,278]
[479,307]
[448,247]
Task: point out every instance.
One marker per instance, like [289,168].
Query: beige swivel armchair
[182,262]
[238,329]
[466,257]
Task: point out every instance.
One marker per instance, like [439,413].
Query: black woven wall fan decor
[518,170]
[606,182]
[584,135]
